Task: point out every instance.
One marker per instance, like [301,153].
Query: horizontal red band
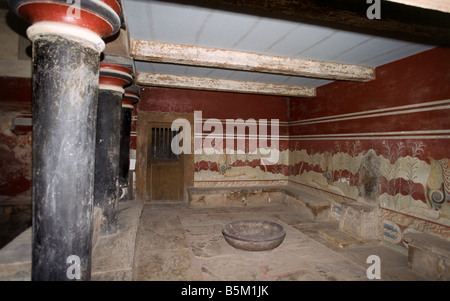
[115,67]
[131,94]
[127,101]
[58,12]
[114,81]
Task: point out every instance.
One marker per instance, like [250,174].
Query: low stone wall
[234,196]
[300,201]
[428,255]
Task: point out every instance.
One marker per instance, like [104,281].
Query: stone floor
[175,242]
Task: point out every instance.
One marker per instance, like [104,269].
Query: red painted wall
[15,147]
[213,104]
[416,79]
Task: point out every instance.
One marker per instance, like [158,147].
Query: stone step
[235,196]
[314,207]
[15,258]
[300,201]
[428,255]
[337,237]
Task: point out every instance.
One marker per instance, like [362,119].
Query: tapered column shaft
[65,81]
[130,98]
[107,150]
[125,131]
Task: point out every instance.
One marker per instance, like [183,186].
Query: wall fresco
[403,117]
[237,169]
[412,184]
[15,161]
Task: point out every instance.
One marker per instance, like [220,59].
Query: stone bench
[234,196]
[428,255]
[313,207]
[316,208]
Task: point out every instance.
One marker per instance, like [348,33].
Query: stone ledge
[338,238]
[428,255]
[112,256]
[314,207]
[234,196]
[15,258]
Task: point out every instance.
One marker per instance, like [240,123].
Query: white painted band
[111,87]
[412,108]
[126,105]
[82,35]
[374,138]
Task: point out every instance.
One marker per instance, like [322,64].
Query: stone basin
[254,235]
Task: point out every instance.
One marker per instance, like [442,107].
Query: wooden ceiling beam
[246,61]
[213,84]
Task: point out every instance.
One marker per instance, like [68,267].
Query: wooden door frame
[145,119]
[150,162]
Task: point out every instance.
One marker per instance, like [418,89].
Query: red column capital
[84,20]
[114,77]
[130,97]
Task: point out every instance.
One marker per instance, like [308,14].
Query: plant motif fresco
[414,187]
[244,168]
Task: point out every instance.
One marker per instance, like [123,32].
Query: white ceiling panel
[302,38]
[191,25]
[265,34]
[170,22]
[224,30]
[396,52]
[334,44]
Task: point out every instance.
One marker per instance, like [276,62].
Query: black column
[66,59]
[107,158]
[131,97]
[65,81]
[112,79]
[124,161]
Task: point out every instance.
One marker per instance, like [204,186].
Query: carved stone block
[360,220]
